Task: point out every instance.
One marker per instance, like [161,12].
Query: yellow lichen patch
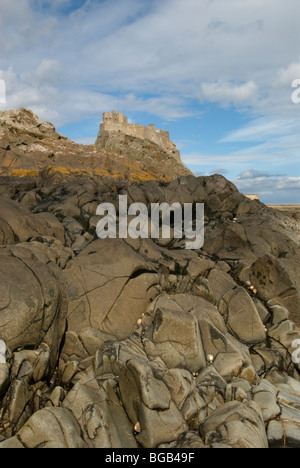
[23,173]
[131,173]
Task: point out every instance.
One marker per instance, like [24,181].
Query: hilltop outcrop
[32,148]
[128,343]
[149,147]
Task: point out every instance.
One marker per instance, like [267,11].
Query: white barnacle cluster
[3,350]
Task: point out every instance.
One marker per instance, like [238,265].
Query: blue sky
[217,74]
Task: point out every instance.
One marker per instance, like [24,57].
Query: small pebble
[137,428]
[210,358]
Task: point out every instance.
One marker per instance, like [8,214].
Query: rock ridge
[140,343]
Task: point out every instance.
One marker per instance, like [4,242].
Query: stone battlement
[119,122]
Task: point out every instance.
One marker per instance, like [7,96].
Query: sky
[218,74]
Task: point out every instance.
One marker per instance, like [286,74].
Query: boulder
[176,336]
[19,225]
[139,342]
[265,395]
[48,428]
[32,302]
[149,405]
[109,287]
[237,307]
[239,425]
[276,281]
[230,357]
[100,414]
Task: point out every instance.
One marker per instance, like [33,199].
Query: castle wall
[118,122]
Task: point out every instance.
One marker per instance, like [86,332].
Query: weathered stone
[265,395]
[288,399]
[158,341]
[187,440]
[48,428]
[176,336]
[31,364]
[148,401]
[285,383]
[109,286]
[290,421]
[237,307]
[16,408]
[102,419]
[180,384]
[57,396]
[273,355]
[275,280]
[4,378]
[238,425]
[68,371]
[276,435]
[19,224]
[35,310]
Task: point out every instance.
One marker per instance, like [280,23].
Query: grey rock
[78,347]
[176,336]
[109,287]
[18,223]
[35,310]
[157,341]
[265,395]
[4,378]
[48,428]
[148,402]
[31,364]
[57,396]
[286,431]
[237,425]
[181,385]
[16,407]
[276,281]
[284,398]
[284,382]
[237,307]
[96,407]
[230,357]
[187,440]
[276,436]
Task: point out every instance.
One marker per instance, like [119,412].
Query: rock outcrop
[32,148]
[115,123]
[129,343]
[148,147]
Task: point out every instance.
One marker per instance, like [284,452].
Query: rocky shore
[141,343]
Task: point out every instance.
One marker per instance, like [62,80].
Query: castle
[113,122]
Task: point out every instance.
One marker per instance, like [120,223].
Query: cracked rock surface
[129,343]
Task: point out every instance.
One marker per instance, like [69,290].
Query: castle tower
[113,117]
[118,122]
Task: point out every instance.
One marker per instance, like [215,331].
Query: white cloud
[287,75]
[276,140]
[21,28]
[261,129]
[88,140]
[49,72]
[271,189]
[161,57]
[256,174]
[219,170]
[225,92]
[216,160]
[157,47]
